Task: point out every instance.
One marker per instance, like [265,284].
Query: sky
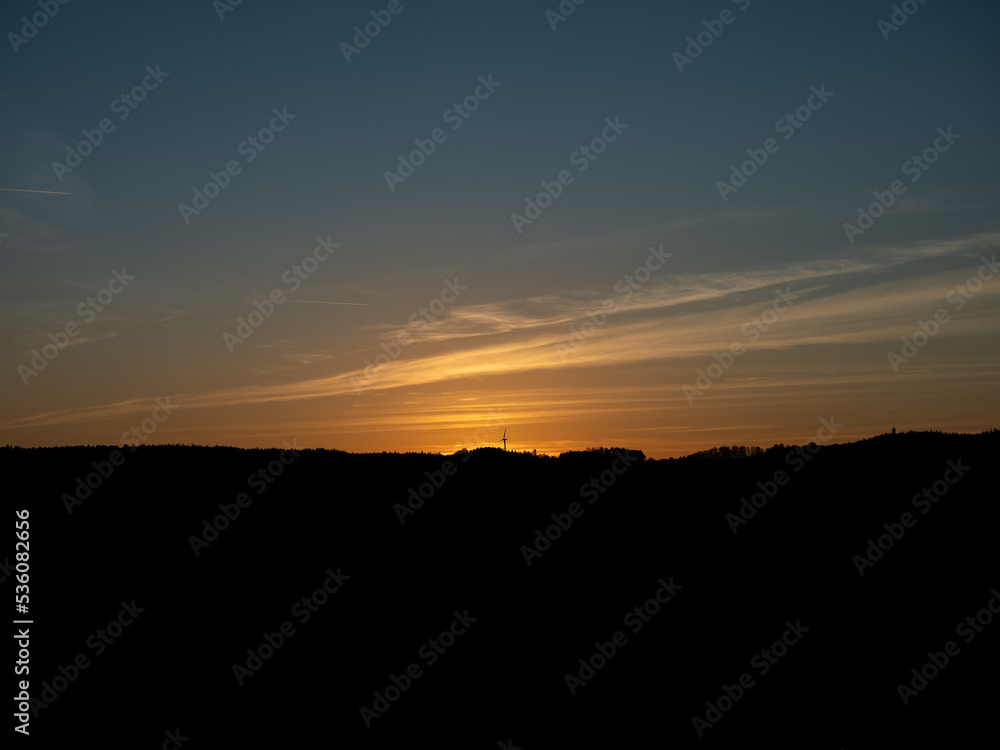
[410,226]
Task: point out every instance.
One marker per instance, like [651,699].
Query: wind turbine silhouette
[504,438]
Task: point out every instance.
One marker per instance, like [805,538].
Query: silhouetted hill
[417,540]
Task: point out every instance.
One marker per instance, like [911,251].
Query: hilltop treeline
[781,596]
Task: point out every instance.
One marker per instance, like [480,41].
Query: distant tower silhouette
[893,430]
[504,439]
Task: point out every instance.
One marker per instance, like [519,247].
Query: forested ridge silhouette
[417,539]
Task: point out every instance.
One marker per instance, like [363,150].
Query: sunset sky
[478,314]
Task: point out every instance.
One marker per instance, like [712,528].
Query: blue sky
[495,347]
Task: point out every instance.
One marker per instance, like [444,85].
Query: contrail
[19,190]
[320,302]
[251,299]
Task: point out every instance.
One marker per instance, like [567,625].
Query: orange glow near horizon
[488,366]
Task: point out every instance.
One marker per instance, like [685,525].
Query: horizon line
[593,449]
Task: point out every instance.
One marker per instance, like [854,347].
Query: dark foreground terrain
[312,616]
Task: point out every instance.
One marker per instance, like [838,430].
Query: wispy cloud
[678,318]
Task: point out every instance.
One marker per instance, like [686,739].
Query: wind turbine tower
[504,439]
